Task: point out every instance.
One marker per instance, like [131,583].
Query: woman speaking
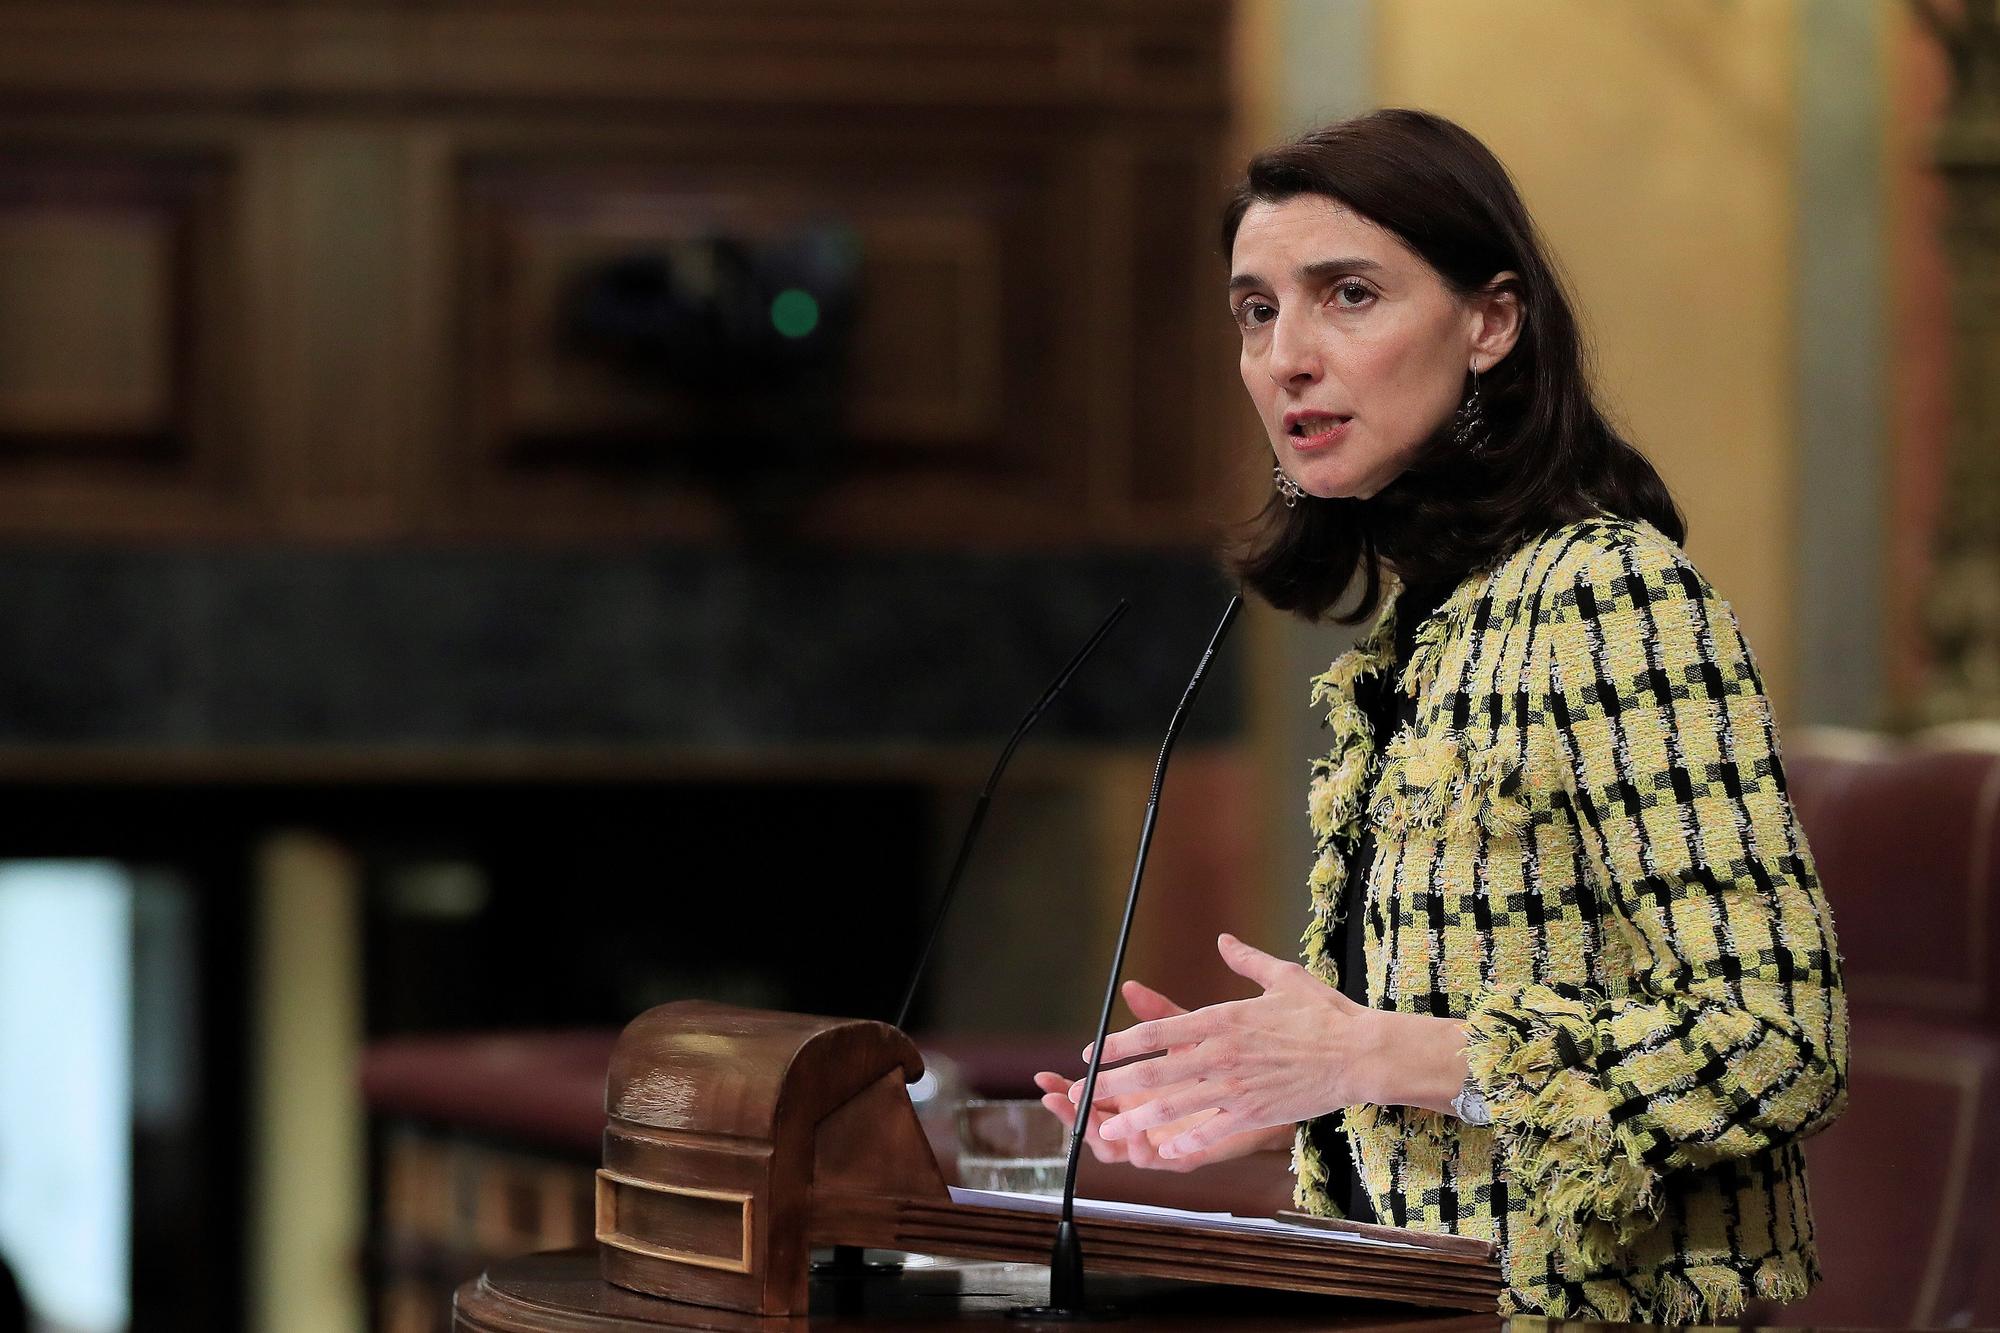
[1570,982]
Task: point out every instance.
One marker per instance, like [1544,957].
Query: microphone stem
[950,891]
[965,844]
[1104,1018]
[1066,1258]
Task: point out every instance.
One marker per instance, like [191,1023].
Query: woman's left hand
[1299,1050]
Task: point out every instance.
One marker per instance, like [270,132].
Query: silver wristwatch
[1470,1104]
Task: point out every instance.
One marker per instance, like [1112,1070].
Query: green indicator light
[794,313]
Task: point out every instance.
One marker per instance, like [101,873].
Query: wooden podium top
[737,1140]
[562,1293]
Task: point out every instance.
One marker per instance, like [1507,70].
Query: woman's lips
[1321,434]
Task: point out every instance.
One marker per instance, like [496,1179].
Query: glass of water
[1016,1146]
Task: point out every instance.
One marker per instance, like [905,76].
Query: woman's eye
[1360,294]
[1252,314]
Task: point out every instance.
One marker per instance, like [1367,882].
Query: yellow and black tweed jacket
[1584,850]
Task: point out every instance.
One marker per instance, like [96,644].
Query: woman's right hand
[1142,1150]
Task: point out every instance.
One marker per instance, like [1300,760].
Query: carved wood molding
[1139,54]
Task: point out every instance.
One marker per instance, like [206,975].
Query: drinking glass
[1012,1145]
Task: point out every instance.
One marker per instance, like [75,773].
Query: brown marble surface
[561,1293]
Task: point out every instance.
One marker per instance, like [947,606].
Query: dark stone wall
[442,648]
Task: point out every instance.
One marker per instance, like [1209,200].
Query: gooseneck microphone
[973,825]
[1066,1300]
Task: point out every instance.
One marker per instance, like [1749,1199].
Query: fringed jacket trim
[1584,850]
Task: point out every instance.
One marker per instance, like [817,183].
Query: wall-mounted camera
[742,342]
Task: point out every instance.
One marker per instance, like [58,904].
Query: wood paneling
[77,278]
[295,270]
[1141,55]
[115,304]
[948,386]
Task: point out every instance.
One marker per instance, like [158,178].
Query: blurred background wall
[512,514]
[1737,194]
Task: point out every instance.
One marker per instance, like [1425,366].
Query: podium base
[850,1263]
[1050,1314]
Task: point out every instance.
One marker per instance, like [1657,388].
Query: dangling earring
[1468,424]
[1288,488]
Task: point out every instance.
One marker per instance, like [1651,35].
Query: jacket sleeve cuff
[1312,1190]
[1533,1055]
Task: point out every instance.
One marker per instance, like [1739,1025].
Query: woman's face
[1354,350]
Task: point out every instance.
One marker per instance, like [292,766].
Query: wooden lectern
[738,1139]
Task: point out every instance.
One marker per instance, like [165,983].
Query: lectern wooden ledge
[738,1139]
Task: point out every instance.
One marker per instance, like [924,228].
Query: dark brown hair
[1550,456]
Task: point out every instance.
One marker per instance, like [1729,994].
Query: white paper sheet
[1105,1210]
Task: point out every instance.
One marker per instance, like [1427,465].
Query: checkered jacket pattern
[1584,850]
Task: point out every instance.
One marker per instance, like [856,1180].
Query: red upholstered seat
[1907,838]
[1902,1184]
[530,1089]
